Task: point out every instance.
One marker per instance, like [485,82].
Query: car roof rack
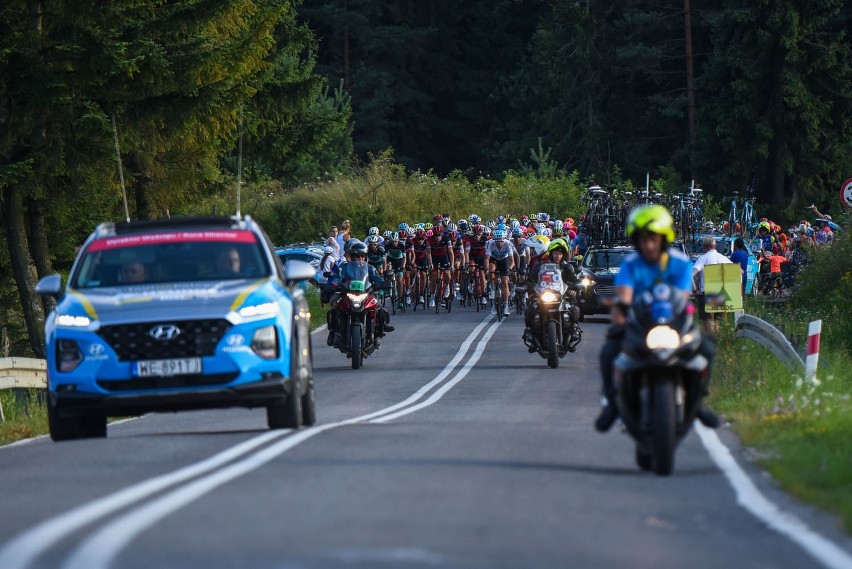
[191,222]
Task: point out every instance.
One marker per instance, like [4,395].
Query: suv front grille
[197,338]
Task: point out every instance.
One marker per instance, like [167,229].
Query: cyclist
[397,251]
[458,256]
[374,231]
[441,249]
[500,260]
[522,253]
[474,249]
[421,256]
[376,255]
[651,229]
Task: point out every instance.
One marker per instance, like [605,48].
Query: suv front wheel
[75,427]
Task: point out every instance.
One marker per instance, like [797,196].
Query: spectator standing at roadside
[343,235]
[740,256]
[332,242]
[710,257]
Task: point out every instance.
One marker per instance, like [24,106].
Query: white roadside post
[812,359]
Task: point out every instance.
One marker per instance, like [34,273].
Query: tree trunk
[22,269]
[140,183]
[690,74]
[778,176]
[39,246]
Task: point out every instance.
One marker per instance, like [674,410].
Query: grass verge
[18,424]
[798,430]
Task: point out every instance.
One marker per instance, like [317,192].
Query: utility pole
[690,74]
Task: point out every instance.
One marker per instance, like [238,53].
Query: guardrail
[771,338]
[22,373]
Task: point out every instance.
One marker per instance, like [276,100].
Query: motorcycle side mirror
[578,258]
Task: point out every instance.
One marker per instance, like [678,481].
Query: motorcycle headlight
[265,343]
[587,282]
[662,338]
[357,299]
[549,296]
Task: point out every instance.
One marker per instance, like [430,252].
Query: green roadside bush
[383,194]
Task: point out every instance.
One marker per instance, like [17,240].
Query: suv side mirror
[298,271]
[50,285]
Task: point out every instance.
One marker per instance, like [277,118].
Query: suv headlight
[68,355]
[265,342]
[69,321]
[265,309]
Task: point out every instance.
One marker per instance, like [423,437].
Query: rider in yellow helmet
[651,228]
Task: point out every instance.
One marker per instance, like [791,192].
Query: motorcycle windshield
[359,276]
[550,277]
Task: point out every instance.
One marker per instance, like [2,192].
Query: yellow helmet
[652,218]
[538,244]
[558,243]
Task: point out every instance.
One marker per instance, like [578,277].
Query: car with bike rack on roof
[178,314]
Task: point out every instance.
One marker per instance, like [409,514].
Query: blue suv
[177,314]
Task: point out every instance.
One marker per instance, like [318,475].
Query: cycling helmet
[764,225]
[499,234]
[358,249]
[537,244]
[524,220]
[477,229]
[651,218]
[374,231]
[557,230]
[327,250]
[501,219]
[429,233]
[558,244]
[517,232]
[428,226]
[463,226]
[421,233]
[540,228]
[502,227]
[548,233]
[412,231]
[438,219]
[387,234]
[490,224]
[373,240]
[543,217]
[403,227]
[452,227]
[395,236]
[487,230]
[515,223]
[475,219]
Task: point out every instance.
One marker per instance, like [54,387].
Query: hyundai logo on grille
[164,332]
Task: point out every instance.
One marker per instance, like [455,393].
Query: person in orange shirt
[775,261]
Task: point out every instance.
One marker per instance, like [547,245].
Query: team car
[598,268]
[173,315]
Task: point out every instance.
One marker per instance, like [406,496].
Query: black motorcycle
[659,374]
[555,331]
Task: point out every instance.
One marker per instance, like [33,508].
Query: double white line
[102,547]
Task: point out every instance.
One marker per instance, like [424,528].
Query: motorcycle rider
[557,252]
[357,254]
[651,229]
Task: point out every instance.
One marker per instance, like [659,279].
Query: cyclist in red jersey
[474,248]
[422,256]
[441,249]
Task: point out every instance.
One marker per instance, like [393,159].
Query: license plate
[182,366]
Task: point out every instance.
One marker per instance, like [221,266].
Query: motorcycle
[360,309]
[555,330]
[659,374]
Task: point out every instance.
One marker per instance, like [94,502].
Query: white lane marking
[450,384]
[23,549]
[100,549]
[448,369]
[319,329]
[785,523]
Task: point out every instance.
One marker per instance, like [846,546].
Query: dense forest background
[730,94]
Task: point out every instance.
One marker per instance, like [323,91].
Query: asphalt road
[490,462]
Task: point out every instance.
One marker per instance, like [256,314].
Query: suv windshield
[170,257]
[605,258]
